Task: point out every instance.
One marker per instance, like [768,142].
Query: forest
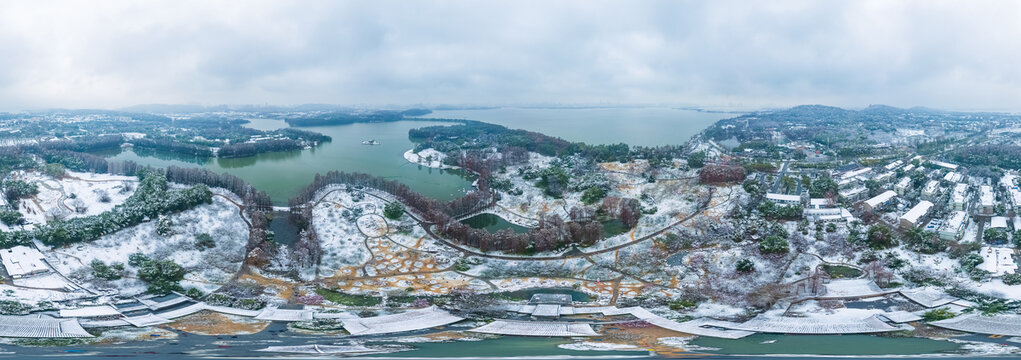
[344,118]
[480,135]
[1003,156]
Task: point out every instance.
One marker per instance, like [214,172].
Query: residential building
[986,200]
[880,201]
[903,185]
[953,177]
[916,215]
[21,261]
[828,214]
[953,227]
[931,190]
[784,198]
[958,199]
[855,194]
[944,165]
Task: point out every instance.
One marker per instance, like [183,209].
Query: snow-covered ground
[208,269]
[429,157]
[74,195]
[997,260]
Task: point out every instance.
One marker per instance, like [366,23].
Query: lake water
[647,126]
[492,223]
[283,174]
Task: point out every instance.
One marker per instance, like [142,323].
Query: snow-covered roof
[960,191]
[954,222]
[986,197]
[700,327]
[853,173]
[536,328]
[909,167]
[998,222]
[275,314]
[1001,324]
[852,192]
[23,260]
[900,317]
[931,186]
[904,182]
[819,202]
[881,198]
[944,164]
[817,325]
[884,176]
[783,197]
[997,260]
[828,214]
[894,165]
[90,311]
[953,177]
[917,212]
[852,288]
[406,321]
[38,326]
[928,297]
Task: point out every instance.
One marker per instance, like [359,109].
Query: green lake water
[492,223]
[646,126]
[283,174]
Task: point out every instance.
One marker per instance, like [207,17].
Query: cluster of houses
[944,203]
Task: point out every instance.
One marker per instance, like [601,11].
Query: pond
[614,227]
[492,223]
[283,174]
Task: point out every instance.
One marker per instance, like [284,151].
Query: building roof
[944,164]
[853,192]
[90,311]
[851,174]
[904,182]
[536,328]
[881,198]
[954,222]
[986,197]
[546,298]
[917,212]
[931,186]
[960,191]
[998,222]
[23,260]
[894,165]
[783,197]
[953,177]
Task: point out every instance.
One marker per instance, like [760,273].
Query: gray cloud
[716,53]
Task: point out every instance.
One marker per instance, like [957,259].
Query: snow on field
[32,296]
[336,220]
[997,260]
[209,267]
[74,195]
[46,281]
[429,157]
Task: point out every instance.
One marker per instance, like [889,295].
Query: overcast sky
[98,54]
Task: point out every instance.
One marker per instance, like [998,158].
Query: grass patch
[841,272]
[341,298]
